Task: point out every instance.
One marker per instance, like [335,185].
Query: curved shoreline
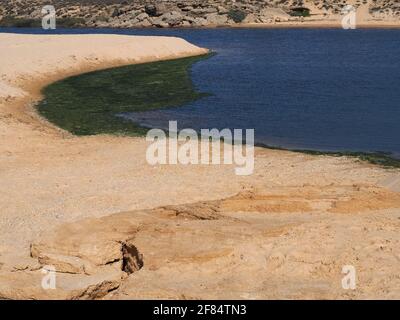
[29,143]
[148,86]
[384,159]
[50,176]
[24,92]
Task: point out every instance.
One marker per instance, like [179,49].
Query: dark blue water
[326,89]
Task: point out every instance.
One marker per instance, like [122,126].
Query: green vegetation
[300,12]
[70,22]
[237,15]
[88,104]
[11,21]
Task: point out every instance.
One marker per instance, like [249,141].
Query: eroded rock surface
[284,242]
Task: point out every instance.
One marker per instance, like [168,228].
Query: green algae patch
[88,104]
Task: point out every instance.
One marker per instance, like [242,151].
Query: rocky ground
[193,13]
[112,226]
[281,242]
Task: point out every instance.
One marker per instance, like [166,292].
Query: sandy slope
[296,221]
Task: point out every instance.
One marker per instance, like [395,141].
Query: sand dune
[284,232]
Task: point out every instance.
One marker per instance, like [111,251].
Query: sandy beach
[117,228]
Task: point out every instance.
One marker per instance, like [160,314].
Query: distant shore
[217,13]
[321,24]
[278,25]
[30,63]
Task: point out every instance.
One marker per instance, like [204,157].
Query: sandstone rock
[222,10]
[28,285]
[142,16]
[145,23]
[203,11]
[158,22]
[65,264]
[378,10]
[186,8]
[116,12]
[185,24]
[36,14]
[272,244]
[189,19]
[173,18]
[200,22]
[74,249]
[250,18]
[216,19]
[131,257]
[156,10]
[269,14]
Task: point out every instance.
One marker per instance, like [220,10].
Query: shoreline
[22,106]
[384,159]
[20,123]
[169,79]
[317,24]
[324,25]
[294,26]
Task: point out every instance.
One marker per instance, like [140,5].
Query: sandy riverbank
[281,233]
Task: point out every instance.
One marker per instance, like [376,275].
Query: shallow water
[326,89]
